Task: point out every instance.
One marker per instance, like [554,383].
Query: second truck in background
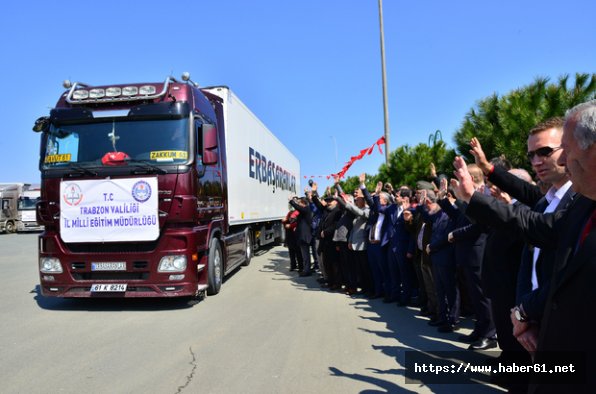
[18,202]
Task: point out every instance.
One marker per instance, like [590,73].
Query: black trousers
[305,253]
[359,259]
[484,326]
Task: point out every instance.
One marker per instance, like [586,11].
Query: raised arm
[519,189]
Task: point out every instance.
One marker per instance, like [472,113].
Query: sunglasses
[545,151]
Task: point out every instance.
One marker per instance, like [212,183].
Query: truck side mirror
[42,124]
[209,144]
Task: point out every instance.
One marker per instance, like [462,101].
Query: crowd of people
[515,253]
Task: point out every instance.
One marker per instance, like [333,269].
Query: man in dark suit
[303,231]
[536,268]
[331,213]
[377,255]
[442,256]
[470,242]
[421,231]
[569,317]
[398,242]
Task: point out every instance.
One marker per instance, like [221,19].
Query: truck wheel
[215,274]
[248,248]
[10,227]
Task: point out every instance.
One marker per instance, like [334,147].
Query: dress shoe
[470,338]
[435,322]
[447,328]
[413,302]
[483,344]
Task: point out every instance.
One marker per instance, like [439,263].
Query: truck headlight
[50,265]
[172,264]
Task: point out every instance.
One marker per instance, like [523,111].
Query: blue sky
[309,69]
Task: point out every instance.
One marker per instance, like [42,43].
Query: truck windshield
[27,203]
[155,141]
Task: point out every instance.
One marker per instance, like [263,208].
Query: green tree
[350,183]
[502,123]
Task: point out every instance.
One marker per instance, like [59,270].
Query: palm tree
[502,123]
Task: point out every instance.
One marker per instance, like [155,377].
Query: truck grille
[124,247]
[111,275]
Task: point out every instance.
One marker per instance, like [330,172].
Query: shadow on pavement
[419,342]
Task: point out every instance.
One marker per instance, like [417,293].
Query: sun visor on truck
[167,110]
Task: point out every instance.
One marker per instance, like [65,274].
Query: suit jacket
[415,226]
[570,311]
[344,225]
[304,227]
[328,223]
[373,215]
[533,301]
[391,223]
[441,251]
[375,210]
[469,239]
[358,237]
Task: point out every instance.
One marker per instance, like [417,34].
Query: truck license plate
[112,266]
[108,287]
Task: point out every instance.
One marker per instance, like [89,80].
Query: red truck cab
[134,193]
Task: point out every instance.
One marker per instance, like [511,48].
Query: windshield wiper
[82,170]
[143,167]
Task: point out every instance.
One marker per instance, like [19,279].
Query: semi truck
[18,202]
[155,189]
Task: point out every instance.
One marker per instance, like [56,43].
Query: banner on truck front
[109,210]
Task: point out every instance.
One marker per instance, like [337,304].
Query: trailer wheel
[215,267]
[10,227]
[248,248]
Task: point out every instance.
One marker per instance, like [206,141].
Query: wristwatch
[519,314]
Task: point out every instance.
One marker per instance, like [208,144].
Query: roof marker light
[147,89]
[113,92]
[80,94]
[130,90]
[97,93]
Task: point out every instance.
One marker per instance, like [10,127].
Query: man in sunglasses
[569,315]
[544,149]
[536,266]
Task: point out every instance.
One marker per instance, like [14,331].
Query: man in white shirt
[544,149]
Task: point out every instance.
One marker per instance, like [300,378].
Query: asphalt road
[268,331]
